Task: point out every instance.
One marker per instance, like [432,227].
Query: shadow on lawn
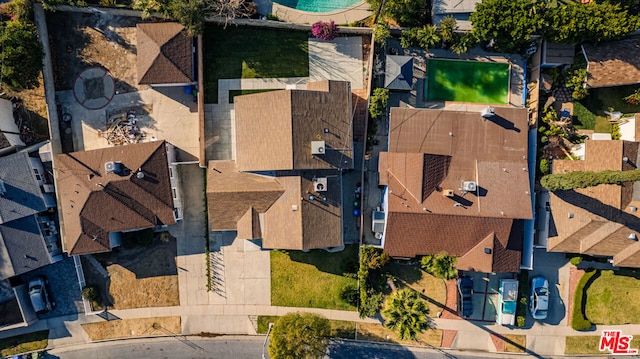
[336,263]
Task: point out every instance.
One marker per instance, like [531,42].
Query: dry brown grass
[128,328]
[432,289]
[520,340]
[378,333]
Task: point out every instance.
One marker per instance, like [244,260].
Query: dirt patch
[80,40]
[127,328]
[142,275]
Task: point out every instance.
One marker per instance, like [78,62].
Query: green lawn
[589,344]
[314,279]
[467,81]
[600,100]
[24,343]
[430,288]
[612,299]
[247,52]
[234,93]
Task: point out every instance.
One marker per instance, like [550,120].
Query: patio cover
[399,73]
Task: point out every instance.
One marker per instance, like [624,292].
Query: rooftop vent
[469,186]
[294,207]
[140,174]
[625,159]
[320,184]
[633,208]
[487,250]
[447,193]
[488,112]
[317,148]
[112,167]
[570,215]
[633,237]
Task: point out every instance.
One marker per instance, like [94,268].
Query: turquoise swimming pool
[317,5]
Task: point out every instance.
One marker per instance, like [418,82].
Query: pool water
[317,5]
[467,81]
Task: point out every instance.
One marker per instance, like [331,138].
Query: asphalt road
[238,348]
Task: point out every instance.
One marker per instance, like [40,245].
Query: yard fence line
[81,281]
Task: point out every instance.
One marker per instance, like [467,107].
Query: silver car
[539,298]
[38,294]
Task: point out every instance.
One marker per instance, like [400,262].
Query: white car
[38,294]
[539,298]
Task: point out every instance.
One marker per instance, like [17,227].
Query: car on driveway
[465,296]
[507,302]
[539,298]
[39,296]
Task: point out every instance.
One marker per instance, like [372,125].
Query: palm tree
[428,36]
[447,28]
[406,314]
[440,266]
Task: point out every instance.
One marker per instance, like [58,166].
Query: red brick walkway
[498,342]
[449,312]
[574,277]
[448,336]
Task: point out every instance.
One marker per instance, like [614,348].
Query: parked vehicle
[507,302]
[465,296]
[539,298]
[39,296]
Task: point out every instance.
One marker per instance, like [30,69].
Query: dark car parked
[465,296]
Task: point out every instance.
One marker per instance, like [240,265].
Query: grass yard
[24,343]
[314,279]
[127,328]
[234,93]
[432,289]
[612,298]
[520,343]
[589,344]
[467,81]
[378,333]
[600,100]
[247,52]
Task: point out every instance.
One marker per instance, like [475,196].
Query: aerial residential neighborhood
[319,178]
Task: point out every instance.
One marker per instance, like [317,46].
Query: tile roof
[613,63]
[597,220]
[22,247]
[23,196]
[164,54]
[432,151]
[275,207]
[95,202]
[274,130]
[399,72]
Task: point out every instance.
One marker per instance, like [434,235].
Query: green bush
[584,179]
[578,319]
[575,260]
[90,293]
[378,102]
[440,266]
[544,166]
[523,292]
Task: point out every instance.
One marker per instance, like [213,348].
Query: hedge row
[523,291]
[584,179]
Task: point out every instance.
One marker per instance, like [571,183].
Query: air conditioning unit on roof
[317,148]
[469,186]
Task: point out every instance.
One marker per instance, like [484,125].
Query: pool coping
[347,15]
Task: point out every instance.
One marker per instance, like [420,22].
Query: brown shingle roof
[94,202]
[597,220]
[431,151]
[613,63]
[275,208]
[164,54]
[274,130]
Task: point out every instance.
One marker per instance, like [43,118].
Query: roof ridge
[602,233]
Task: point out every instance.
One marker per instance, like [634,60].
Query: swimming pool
[317,5]
[467,81]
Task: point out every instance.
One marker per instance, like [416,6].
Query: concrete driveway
[554,267]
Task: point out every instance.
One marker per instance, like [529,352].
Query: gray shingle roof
[22,196]
[22,247]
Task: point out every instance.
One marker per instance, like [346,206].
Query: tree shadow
[336,263]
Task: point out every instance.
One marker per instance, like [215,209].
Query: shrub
[440,266]
[575,260]
[634,98]
[544,166]
[381,33]
[584,179]
[378,102]
[523,292]
[273,17]
[372,257]
[324,30]
[90,293]
[578,319]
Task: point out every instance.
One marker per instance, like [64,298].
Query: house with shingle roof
[601,220]
[285,185]
[27,234]
[457,182]
[165,55]
[614,63]
[107,191]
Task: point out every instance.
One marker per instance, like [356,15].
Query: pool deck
[348,15]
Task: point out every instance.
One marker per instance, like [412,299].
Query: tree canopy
[299,335]
[584,179]
[404,12]
[507,25]
[22,55]
[406,314]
